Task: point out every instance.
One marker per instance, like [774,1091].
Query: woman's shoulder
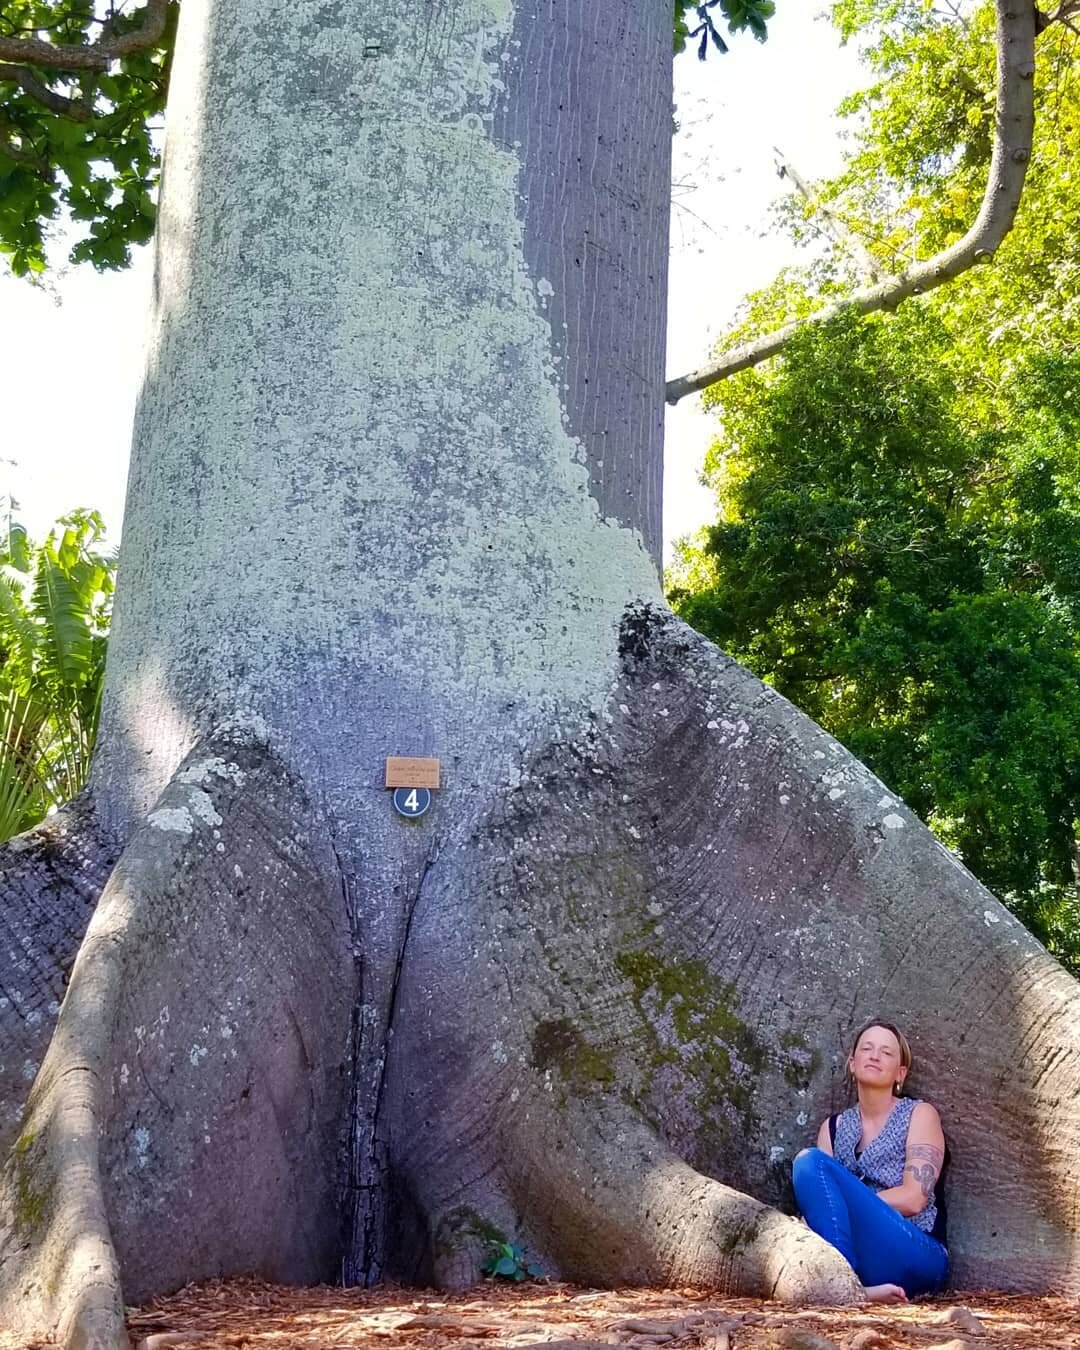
[923,1120]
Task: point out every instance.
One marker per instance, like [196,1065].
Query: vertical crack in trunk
[366,1190]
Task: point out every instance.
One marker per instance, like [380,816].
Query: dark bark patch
[640,628]
[557,1044]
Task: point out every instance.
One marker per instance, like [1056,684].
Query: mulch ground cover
[234,1314]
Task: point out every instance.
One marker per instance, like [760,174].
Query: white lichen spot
[886,803]
[634,831]
[203,807]
[225,1031]
[655,908]
[662,712]
[784,799]
[498,1053]
[197,1055]
[125,1074]
[989,917]
[893,822]
[712,725]
[174,818]
[776,1155]
[214,766]
[237,872]
[545,288]
[819,754]
[29,1069]
[834,793]
[141,1146]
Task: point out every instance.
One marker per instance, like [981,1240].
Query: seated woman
[868,1186]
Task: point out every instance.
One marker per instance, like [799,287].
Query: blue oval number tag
[411,801]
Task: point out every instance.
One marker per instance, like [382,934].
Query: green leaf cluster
[55,601]
[695,19]
[96,159]
[508,1262]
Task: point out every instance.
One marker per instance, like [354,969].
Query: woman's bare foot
[884,1293]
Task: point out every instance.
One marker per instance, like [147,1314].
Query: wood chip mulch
[250,1315]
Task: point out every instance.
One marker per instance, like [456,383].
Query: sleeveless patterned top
[881,1163]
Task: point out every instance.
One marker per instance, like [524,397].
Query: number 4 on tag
[411,802]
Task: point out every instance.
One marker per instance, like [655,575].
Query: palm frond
[66,646]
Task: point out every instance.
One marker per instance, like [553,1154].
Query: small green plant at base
[507,1262]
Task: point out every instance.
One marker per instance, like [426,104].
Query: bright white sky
[70,360]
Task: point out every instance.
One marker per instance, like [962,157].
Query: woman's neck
[875,1103]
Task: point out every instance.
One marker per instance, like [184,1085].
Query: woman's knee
[807,1162]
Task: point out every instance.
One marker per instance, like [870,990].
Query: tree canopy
[81,87]
[898,547]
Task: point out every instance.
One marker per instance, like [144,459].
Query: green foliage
[898,548]
[911,578]
[90,148]
[54,613]
[740,14]
[508,1262]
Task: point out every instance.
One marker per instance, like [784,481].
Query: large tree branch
[96,55]
[1015,121]
[79,110]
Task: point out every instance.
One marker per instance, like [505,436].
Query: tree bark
[387,498]
[50,881]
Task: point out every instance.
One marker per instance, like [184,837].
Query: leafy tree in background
[898,543]
[78,135]
[54,612]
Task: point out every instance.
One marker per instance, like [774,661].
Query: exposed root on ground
[190,1104]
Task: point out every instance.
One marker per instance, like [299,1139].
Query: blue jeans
[882,1246]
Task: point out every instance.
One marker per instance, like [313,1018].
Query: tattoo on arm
[924,1162]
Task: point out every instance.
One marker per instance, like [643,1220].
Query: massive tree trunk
[394,490]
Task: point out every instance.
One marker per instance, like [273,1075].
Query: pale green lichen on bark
[31,1195]
[382,426]
[558,1044]
[692,1030]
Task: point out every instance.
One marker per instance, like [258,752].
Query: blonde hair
[901,1040]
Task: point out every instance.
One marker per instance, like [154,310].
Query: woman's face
[876,1061]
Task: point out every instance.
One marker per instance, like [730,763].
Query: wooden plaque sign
[401,771]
